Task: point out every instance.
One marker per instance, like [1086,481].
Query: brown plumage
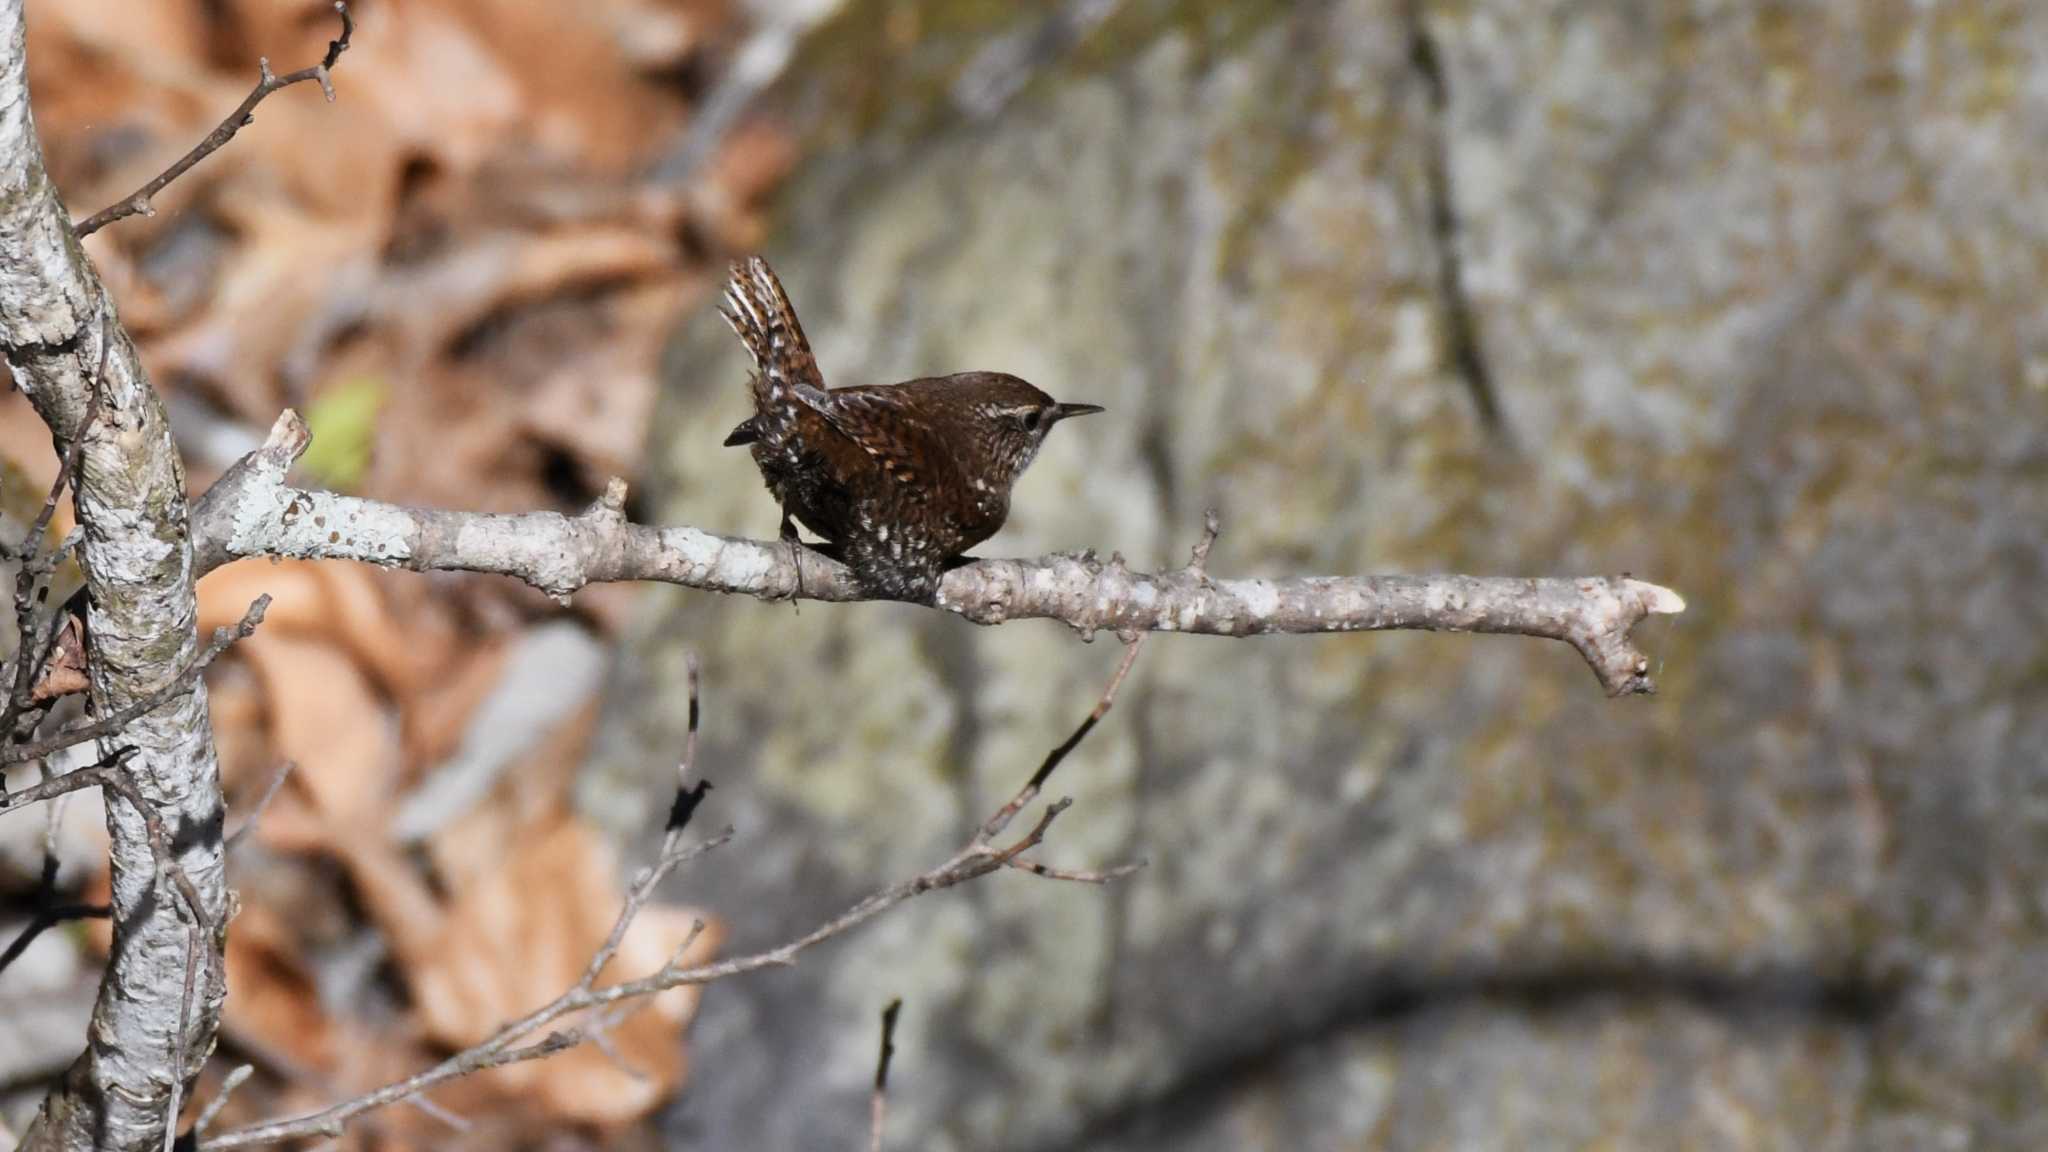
[896,479]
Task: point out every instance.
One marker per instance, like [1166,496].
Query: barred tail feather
[759,313]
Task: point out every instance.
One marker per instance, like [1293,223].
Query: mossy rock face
[1759,294]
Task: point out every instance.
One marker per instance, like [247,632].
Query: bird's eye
[1034,419]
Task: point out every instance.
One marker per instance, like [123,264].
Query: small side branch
[141,201]
[256,811]
[112,776]
[223,639]
[47,917]
[253,511]
[538,1034]
[878,1108]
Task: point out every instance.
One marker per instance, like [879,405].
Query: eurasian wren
[897,479]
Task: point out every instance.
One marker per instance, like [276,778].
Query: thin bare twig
[49,912]
[121,784]
[186,995]
[53,828]
[1462,340]
[1198,558]
[262,805]
[510,1044]
[1103,704]
[223,638]
[688,796]
[234,1080]
[504,1046]
[878,1109]
[140,203]
[67,466]
[1078,875]
[76,780]
[110,775]
[46,918]
[689,757]
[448,1117]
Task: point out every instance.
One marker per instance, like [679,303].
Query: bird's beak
[1062,411]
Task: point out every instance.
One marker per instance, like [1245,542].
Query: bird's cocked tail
[759,313]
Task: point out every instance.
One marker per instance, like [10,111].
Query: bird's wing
[888,428]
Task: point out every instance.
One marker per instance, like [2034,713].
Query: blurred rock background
[1755,291]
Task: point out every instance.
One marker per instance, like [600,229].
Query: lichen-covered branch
[254,511]
[129,494]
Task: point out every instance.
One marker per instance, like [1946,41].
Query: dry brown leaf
[551,907]
[727,204]
[91,57]
[298,600]
[662,35]
[65,673]
[283,30]
[524,894]
[590,1086]
[755,159]
[584,103]
[434,306]
[446,97]
[531,792]
[119,29]
[271,995]
[515,935]
[475,443]
[325,717]
[338,602]
[437,715]
[241,732]
[595,404]
[400,657]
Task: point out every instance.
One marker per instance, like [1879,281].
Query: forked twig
[140,203]
[515,1042]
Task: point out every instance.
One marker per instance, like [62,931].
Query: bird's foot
[830,550]
[787,531]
